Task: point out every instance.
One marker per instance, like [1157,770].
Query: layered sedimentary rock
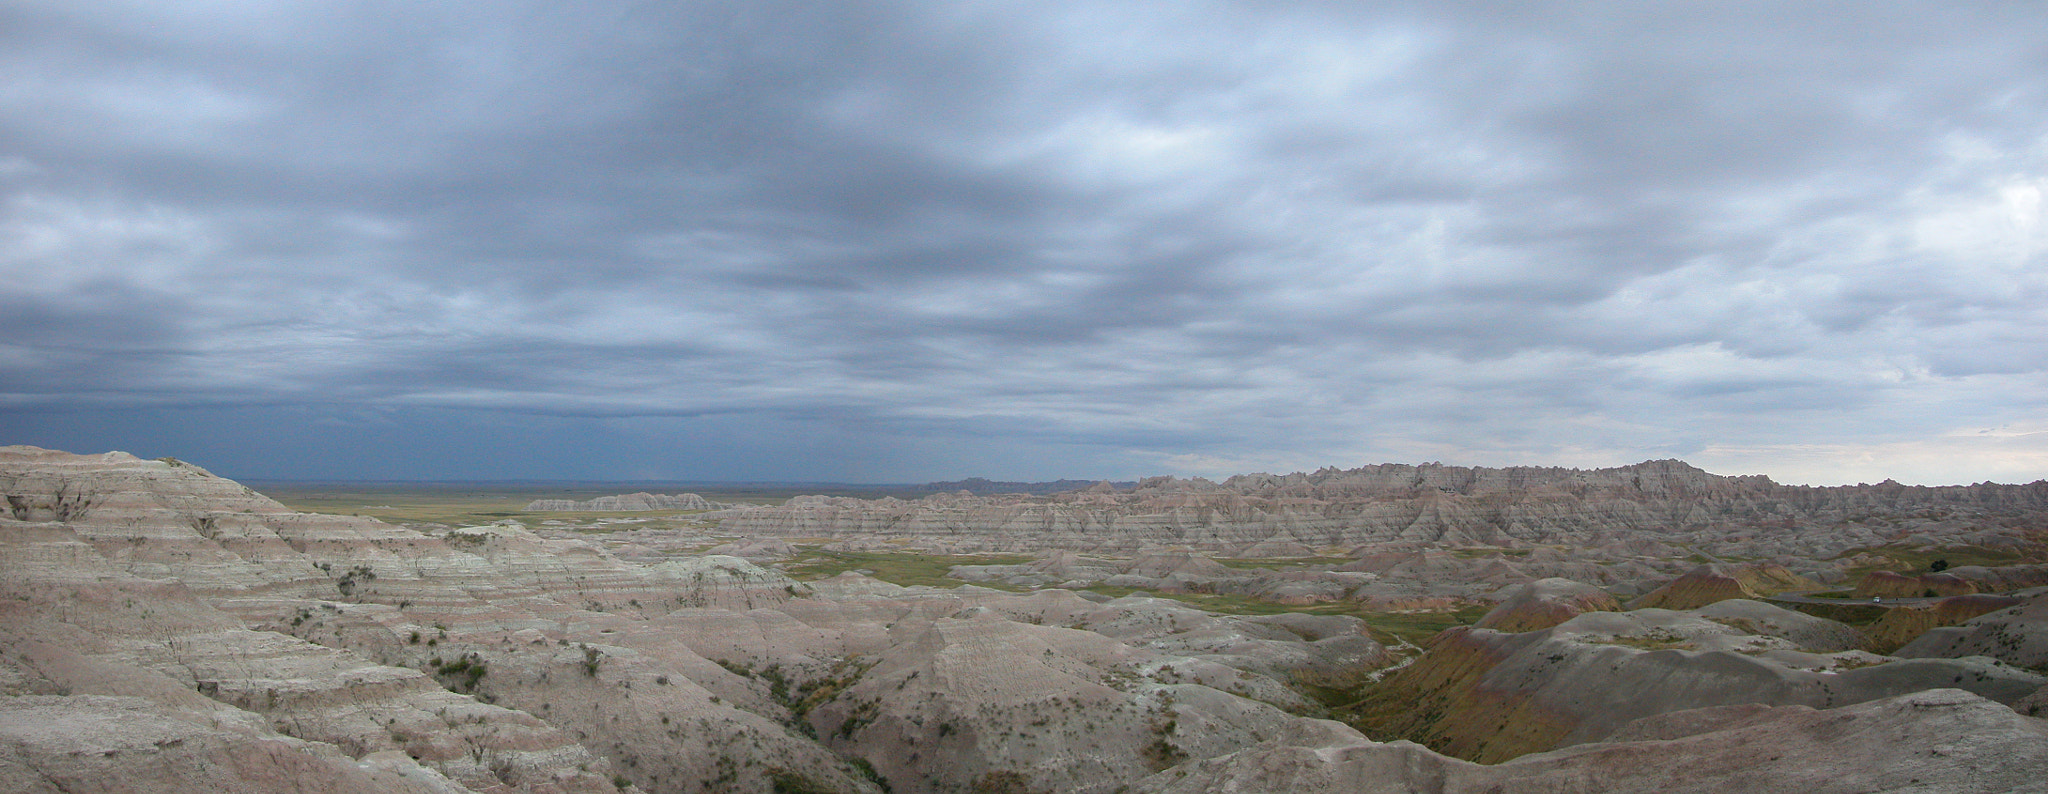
[1963,580]
[1545,603]
[984,699]
[1901,625]
[1432,506]
[165,626]
[490,658]
[1940,740]
[1490,696]
[83,627]
[947,690]
[1713,582]
[54,744]
[2017,634]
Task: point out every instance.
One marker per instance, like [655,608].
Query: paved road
[1805,597]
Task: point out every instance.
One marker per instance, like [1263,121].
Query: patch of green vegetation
[784,781]
[460,675]
[1002,781]
[1902,558]
[904,568]
[466,504]
[811,694]
[867,770]
[1854,612]
[1418,627]
[1476,552]
[428,504]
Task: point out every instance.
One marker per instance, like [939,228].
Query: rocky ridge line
[1392,507]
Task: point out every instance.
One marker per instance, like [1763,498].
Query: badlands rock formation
[1545,603]
[163,629]
[485,657]
[1934,741]
[491,659]
[1954,581]
[1901,625]
[1491,696]
[1714,582]
[2017,634]
[1434,506]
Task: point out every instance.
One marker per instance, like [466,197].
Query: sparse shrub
[778,686]
[867,770]
[360,573]
[787,782]
[1002,781]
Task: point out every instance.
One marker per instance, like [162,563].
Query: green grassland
[1908,559]
[909,569]
[455,505]
[1477,552]
[468,504]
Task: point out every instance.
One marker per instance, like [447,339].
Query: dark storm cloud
[1073,239]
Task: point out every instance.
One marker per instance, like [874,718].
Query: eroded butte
[1640,628]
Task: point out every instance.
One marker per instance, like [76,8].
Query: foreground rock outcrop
[489,658]
[1491,696]
[2016,634]
[1938,740]
[54,744]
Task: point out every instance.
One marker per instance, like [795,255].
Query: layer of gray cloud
[1038,240]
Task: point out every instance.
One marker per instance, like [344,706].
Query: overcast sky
[895,242]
